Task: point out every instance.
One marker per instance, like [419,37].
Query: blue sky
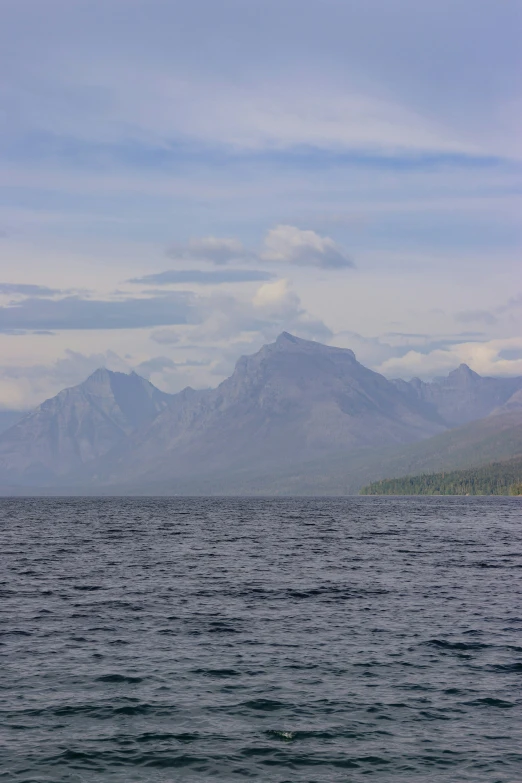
[180,181]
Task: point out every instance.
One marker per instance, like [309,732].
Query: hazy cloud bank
[75,312]
[281,245]
[203,277]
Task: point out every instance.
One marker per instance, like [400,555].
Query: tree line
[496,478]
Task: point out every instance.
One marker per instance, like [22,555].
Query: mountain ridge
[293,403]
[79,424]
[294,399]
[464,395]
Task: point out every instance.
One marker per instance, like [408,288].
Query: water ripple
[292,640]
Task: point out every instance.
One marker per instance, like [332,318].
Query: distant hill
[494,438]
[497,478]
[343,472]
[497,437]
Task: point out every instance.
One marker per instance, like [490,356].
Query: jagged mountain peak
[463,395]
[285,337]
[79,424]
[289,343]
[294,360]
[293,400]
[104,374]
[98,380]
[117,384]
[464,371]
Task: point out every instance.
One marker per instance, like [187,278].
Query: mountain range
[297,417]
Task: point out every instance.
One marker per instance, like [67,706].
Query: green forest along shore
[496,478]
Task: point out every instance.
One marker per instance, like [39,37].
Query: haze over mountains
[464,395]
[296,409]
[77,426]
[10,417]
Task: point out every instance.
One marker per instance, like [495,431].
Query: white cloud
[27,385]
[483,357]
[282,310]
[275,112]
[289,244]
[216,250]
[274,308]
[338,74]
[276,298]
[283,244]
[283,114]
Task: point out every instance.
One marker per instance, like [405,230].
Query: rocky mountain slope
[464,395]
[344,472]
[77,426]
[294,400]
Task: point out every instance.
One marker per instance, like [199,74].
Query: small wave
[489,701]
[220,627]
[103,710]
[118,678]
[143,709]
[217,672]
[75,759]
[287,736]
[322,593]
[87,588]
[507,667]
[153,736]
[445,645]
[265,705]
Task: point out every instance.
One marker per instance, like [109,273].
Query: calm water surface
[308,640]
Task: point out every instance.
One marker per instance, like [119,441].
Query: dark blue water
[275,640]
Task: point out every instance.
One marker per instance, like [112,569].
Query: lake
[307,640]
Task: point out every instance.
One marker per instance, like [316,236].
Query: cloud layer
[382,134]
[76,313]
[291,245]
[282,245]
[203,277]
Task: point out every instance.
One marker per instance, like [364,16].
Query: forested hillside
[497,478]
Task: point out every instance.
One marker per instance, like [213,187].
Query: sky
[180,181]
